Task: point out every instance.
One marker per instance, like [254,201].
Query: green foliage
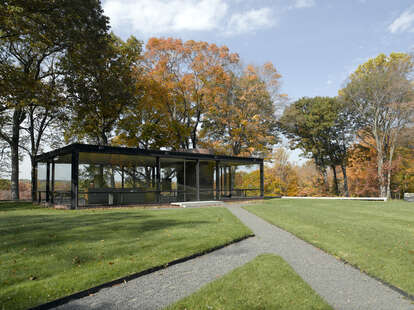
[267,282]
[323,128]
[46,254]
[35,36]
[4,184]
[319,126]
[100,88]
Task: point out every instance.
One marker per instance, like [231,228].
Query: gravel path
[340,285]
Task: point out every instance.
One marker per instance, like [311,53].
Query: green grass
[15,206]
[267,282]
[46,254]
[377,237]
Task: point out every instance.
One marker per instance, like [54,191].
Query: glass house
[80,175]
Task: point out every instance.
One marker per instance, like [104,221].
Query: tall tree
[42,127]
[323,128]
[145,123]
[380,91]
[242,120]
[4,159]
[194,75]
[101,88]
[33,36]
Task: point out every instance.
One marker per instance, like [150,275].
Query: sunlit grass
[377,237]
[267,282]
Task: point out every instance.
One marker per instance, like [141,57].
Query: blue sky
[314,44]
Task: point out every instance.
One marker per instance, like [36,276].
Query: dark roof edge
[89,148]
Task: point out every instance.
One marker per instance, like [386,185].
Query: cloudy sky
[314,44]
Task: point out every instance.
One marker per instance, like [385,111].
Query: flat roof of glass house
[58,155]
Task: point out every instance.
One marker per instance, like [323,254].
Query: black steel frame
[76,148]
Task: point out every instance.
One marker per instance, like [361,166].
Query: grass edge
[96,289]
[389,285]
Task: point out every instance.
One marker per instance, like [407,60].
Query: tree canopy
[381,93]
[323,128]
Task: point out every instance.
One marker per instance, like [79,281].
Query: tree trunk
[381,179]
[389,171]
[335,180]
[101,177]
[34,179]
[15,195]
[112,177]
[346,190]
[325,179]
[14,148]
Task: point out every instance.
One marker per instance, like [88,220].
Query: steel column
[153,177]
[197,179]
[36,194]
[217,180]
[230,182]
[47,181]
[261,179]
[158,180]
[185,181]
[52,192]
[122,177]
[75,180]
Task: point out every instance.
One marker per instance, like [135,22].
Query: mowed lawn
[267,282]
[377,237]
[46,254]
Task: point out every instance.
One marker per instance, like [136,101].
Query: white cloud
[300,4]
[153,17]
[250,21]
[158,16]
[405,22]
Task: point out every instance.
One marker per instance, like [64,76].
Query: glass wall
[118,179]
[172,180]
[41,181]
[246,181]
[178,180]
[113,179]
[207,170]
[62,184]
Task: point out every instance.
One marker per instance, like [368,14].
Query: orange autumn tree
[362,170]
[195,94]
[363,176]
[310,181]
[241,121]
[403,176]
[280,177]
[191,75]
[146,123]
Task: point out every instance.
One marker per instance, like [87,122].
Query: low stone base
[197,203]
[409,197]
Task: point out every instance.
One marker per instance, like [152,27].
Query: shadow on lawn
[48,231]
[16,206]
